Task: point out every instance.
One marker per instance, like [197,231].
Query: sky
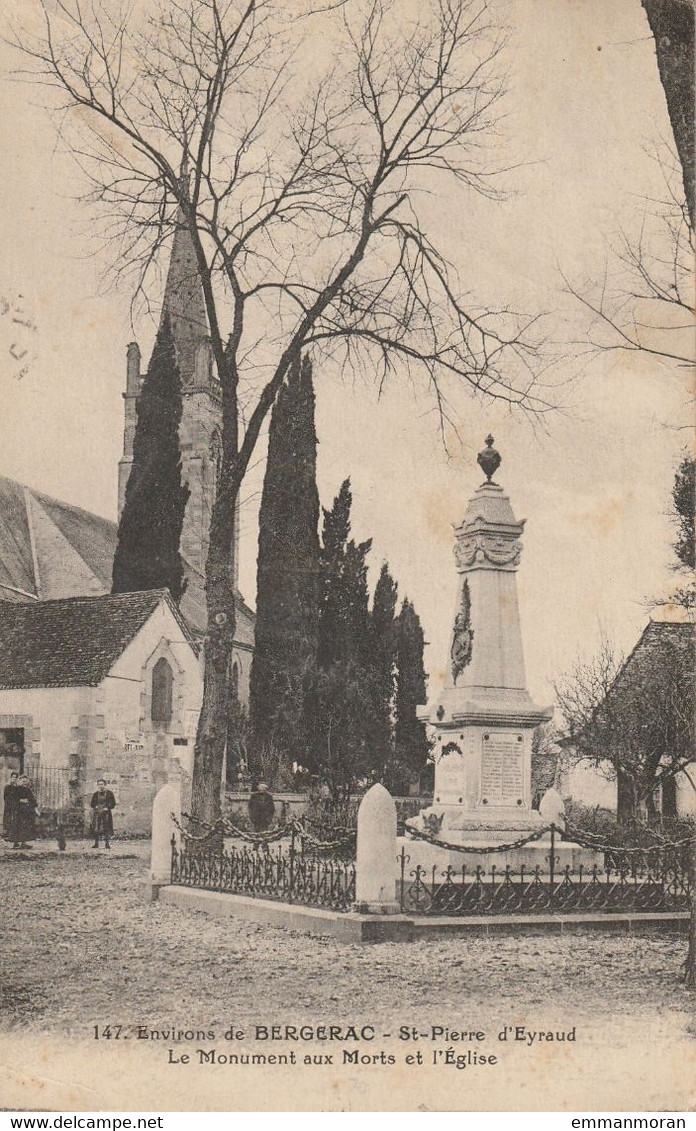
[585,108]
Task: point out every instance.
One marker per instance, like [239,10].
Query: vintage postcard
[346,556]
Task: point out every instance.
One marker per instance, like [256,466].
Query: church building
[52,555]
[98,687]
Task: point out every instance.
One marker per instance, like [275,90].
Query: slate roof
[72,642]
[24,565]
[92,537]
[662,643]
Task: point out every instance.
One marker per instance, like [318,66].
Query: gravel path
[82,946]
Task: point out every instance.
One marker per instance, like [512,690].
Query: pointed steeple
[185,304]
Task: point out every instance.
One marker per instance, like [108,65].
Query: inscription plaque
[502,768]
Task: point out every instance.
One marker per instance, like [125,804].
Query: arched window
[162,683]
[234,682]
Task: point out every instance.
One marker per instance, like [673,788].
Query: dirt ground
[83,946]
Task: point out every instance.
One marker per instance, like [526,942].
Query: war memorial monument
[483,717]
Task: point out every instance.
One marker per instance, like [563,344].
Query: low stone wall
[353,927]
[70,819]
[365,902]
[289,805]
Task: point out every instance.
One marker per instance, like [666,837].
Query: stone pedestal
[375,867]
[167,802]
[535,854]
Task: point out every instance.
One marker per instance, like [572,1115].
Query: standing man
[9,800]
[103,801]
[24,814]
[261,807]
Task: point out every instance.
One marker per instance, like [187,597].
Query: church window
[162,686]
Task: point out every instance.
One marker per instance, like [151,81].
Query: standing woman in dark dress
[9,799]
[26,811]
[103,801]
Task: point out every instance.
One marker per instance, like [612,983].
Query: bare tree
[643,301]
[633,719]
[304,193]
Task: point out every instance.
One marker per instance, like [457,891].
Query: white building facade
[95,687]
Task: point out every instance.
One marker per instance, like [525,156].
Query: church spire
[185,305]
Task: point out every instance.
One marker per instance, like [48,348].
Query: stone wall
[136,756]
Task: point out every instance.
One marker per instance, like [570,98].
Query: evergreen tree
[147,550]
[344,618]
[683,514]
[684,508]
[339,750]
[287,614]
[382,661]
[339,702]
[411,744]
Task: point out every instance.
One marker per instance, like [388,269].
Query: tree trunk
[214,720]
[211,739]
[626,802]
[672,25]
[690,964]
[669,798]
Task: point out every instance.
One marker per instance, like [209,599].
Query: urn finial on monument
[489,460]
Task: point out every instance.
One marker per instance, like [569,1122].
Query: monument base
[459,821]
[499,831]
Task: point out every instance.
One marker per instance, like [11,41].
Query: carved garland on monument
[463,636]
[496,549]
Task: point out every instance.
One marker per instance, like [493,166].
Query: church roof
[72,642]
[50,550]
[34,528]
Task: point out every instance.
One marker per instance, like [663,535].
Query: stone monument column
[483,716]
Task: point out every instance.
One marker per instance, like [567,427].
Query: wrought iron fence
[656,879]
[291,865]
[52,787]
[505,891]
[284,872]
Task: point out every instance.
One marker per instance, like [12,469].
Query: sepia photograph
[347,550]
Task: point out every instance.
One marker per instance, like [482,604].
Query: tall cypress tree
[344,618]
[287,607]
[340,698]
[411,745]
[382,660]
[149,533]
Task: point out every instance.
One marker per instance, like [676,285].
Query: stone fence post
[375,869]
[167,801]
[552,808]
